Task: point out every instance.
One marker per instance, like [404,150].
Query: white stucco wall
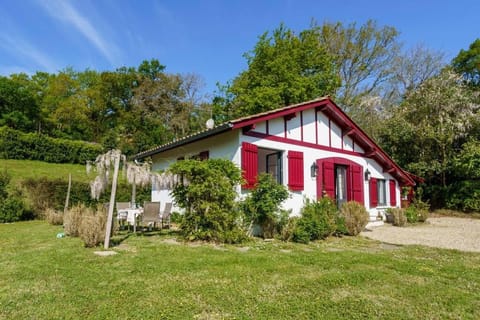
[294,128]
[336,135]
[323,129]
[347,143]
[276,127]
[222,146]
[309,126]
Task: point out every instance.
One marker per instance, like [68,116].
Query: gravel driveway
[444,232]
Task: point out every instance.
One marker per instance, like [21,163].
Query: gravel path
[445,232]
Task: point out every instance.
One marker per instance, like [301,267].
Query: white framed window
[381,192]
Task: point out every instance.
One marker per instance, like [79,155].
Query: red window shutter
[357,184]
[249,164]
[393,193]
[329,178]
[373,193]
[295,170]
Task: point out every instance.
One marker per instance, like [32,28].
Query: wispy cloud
[62,10]
[17,46]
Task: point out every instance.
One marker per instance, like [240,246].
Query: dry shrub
[356,217]
[423,215]
[53,217]
[88,224]
[72,220]
[92,227]
[399,217]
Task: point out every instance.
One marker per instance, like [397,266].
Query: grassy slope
[22,169]
[350,278]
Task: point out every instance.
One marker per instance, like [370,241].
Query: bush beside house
[207,195]
[262,206]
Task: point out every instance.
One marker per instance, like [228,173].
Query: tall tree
[410,69]
[363,57]
[18,107]
[467,63]
[283,68]
[442,113]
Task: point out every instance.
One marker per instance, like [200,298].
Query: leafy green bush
[12,206]
[208,196]
[418,211]
[4,181]
[399,218]
[262,205]
[16,144]
[464,195]
[318,220]
[355,217]
[411,214]
[13,209]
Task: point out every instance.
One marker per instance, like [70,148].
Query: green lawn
[23,169]
[152,277]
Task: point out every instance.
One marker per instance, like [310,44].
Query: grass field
[23,169]
[154,277]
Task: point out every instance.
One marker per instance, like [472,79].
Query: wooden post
[112,201]
[134,194]
[68,193]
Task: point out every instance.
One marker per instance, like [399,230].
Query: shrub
[12,206]
[208,197]
[423,215]
[5,178]
[13,209]
[417,211]
[411,214]
[16,144]
[318,220]
[287,232]
[399,218]
[73,219]
[422,209]
[355,217]
[92,227]
[262,205]
[44,193]
[53,217]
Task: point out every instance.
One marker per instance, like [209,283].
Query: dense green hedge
[46,193]
[19,145]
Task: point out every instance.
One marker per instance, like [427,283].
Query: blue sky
[205,37]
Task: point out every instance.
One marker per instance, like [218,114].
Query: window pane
[382,196]
[274,166]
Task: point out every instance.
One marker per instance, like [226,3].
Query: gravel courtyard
[444,232]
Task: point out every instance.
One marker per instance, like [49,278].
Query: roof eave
[202,135]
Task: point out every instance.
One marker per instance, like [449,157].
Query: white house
[313,148]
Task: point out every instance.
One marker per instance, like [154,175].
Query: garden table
[132,214]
